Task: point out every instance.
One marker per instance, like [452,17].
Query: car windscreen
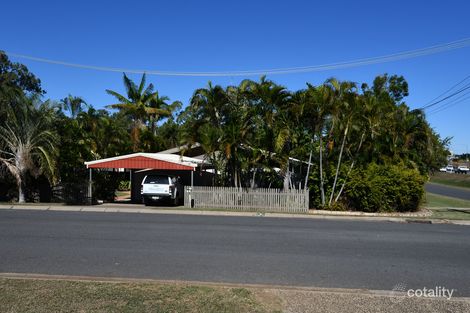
[156,179]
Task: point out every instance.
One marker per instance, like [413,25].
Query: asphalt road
[448,191]
[259,250]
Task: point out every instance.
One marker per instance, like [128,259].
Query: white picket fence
[244,199]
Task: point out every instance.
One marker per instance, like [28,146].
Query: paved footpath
[313,214]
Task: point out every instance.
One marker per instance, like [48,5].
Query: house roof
[147,161]
[190,151]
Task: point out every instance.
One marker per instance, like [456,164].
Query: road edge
[352,217]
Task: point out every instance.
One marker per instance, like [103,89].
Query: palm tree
[74,105]
[319,106]
[342,117]
[28,145]
[141,104]
[274,120]
[159,108]
[208,104]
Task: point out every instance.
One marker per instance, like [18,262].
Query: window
[156,179]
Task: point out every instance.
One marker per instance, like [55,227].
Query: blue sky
[241,35]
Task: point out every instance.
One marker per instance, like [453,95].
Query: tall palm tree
[342,117]
[203,121]
[74,105]
[28,145]
[208,104]
[159,108]
[140,104]
[274,118]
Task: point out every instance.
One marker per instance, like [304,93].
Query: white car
[450,169]
[156,188]
[463,169]
[442,169]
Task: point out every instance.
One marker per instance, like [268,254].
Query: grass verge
[449,179]
[30,295]
[450,214]
[434,200]
[447,208]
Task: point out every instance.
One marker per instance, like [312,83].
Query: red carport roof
[147,161]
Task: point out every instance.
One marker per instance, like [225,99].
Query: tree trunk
[20,193]
[253,180]
[322,189]
[135,134]
[287,177]
[350,168]
[339,163]
[235,178]
[308,167]
[152,125]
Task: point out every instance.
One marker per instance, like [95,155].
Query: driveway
[449,191]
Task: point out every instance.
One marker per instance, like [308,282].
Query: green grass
[29,295]
[449,214]
[433,200]
[447,208]
[123,194]
[449,179]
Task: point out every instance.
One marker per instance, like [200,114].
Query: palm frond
[142,83]
[118,96]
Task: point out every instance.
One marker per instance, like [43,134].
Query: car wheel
[146,201]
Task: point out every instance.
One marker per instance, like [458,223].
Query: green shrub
[124,185]
[384,188]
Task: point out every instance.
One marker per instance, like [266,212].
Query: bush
[124,185]
[384,188]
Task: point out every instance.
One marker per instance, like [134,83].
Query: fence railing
[244,199]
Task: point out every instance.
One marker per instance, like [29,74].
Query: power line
[467,92]
[448,90]
[276,71]
[445,98]
[450,104]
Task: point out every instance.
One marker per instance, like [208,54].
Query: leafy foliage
[124,185]
[15,79]
[328,138]
[143,106]
[384,188]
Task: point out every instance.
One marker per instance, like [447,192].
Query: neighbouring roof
[190,151]
[147,161]
[196,151]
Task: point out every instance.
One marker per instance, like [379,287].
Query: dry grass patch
[29,295]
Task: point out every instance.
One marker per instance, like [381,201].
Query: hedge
[384,188]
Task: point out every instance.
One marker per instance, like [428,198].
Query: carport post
[90,189]
[192,179]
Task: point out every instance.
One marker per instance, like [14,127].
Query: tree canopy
[256,134]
